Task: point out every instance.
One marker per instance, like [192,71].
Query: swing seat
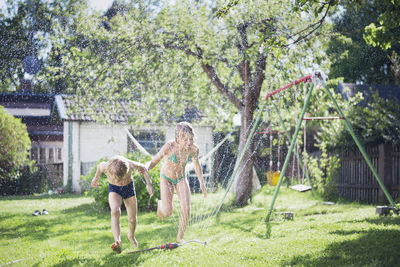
[301,187]
[273,177]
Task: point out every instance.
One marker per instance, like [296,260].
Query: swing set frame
[317,78]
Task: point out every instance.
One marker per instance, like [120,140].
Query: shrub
[324,172]
[100,193]
[14,151]
[32,180]
[375,121]
[14,145]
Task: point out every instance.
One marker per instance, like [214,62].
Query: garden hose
[167,246]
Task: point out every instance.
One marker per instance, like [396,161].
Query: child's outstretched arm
[143,170]
[156,159]
[100,170]
[199,172]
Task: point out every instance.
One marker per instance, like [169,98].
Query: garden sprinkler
[169,246]
[386,210]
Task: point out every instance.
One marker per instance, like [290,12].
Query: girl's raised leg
[164,206]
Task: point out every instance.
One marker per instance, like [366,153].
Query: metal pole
[360,147]
[289,152]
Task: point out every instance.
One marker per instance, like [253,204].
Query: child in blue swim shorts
[121,187]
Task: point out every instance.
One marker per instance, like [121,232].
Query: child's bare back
[113,178]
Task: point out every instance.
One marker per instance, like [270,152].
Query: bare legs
[183,192]
[164,208]
[115,202]
[131,209]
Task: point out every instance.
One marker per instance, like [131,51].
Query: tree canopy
[355,59]
[162,58]
[181,55]
[156,58]
[25,30]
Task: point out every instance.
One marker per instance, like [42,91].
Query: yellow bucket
[273,177]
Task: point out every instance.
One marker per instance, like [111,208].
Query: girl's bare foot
[116,247]
[180,240]
[159,210]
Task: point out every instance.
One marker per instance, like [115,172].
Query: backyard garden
[77,233]
[267,132]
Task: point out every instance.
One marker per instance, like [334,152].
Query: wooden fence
[357,182]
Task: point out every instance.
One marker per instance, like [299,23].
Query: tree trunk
[243,185]
[252,88]
[243,179]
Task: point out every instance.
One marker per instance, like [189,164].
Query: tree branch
[317,25]
[222,59]
[244,71]
[259,74]
[183,48]
[242,30]
[212,75]
[252,95]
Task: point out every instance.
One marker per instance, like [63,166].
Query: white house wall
[87,142]
[69,147]
[99,141]
[204,139]
[90,142]
[65,153]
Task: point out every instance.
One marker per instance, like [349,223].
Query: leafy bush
[30,179]
[14,152]
[100,193]
[324,172]
[375,120]
[14,145]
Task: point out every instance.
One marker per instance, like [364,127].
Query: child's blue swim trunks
[125,191]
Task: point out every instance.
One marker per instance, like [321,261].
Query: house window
[42,155]
[152,141]
[51,155]
[34,154]
[59,154]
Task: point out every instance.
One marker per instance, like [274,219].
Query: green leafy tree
[375,121]
[181,55]
[353,58]
[382,32]
[385,32]
[25,28]
[14,145]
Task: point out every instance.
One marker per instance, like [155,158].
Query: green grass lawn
[76,233]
